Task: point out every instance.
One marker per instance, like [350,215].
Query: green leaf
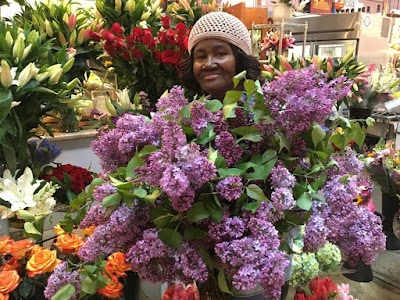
[268,155]
[170,237]
[317,134]
[214,105]
[193,233]
[239,77]
[111,200]
[222,283]
[212,155]
[161,217]
[139,192]
[370,121]
[25,215]
[26,288]
[6,98]
[151,198]
[89,286]
[186,111]
[226,172]
[135,162]
[252,206]
[304,201]
[214,207]
[249,86]
[31,229]
[147,150]
[339,141]
[197,212]
[256,193]
[229,110]
[64,293]
[207,135]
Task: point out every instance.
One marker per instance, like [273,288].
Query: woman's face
[214,66]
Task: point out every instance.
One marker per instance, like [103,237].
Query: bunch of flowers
[178,291]
[22,197]
[381,86]
[66,23]
[32,85]
[36,272]
[272,39]
[208,191]
[383,165]
[72,180]
[324,288]
[145,59]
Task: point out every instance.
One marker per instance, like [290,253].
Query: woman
[219,48]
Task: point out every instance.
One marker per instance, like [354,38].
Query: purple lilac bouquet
[209,192]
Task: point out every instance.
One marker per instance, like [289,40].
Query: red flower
[136,35]
[93,35]
[136,53]
[108,36]
[116,28]
[171,33]
[162,38]
[170,57]
[166,22]
[181,29]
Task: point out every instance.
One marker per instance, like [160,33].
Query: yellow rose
[44,261]
[9,281]
[58,230]
[88,230]
[69,243]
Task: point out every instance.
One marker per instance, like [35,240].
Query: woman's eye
[220,54]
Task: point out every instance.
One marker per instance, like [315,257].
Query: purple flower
[172,103]
[199,117]
[102,191]
[315,233]
[280,177]
[227,147]
[230,228]
[230,188]
[60,277]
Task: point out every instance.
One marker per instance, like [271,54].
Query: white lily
[44,199]
[124,100]
[19,192]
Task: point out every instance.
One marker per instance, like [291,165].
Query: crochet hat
[222,26]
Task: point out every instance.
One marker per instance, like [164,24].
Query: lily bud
[145,15]
[52,68]
[49,30]
[61,38]
[35,21]
[9,39]
[81,36]
[27,50]
[68,65]
[26,74]
[111,108]
[71,22]
[130,6]
[6,76]
[72,39]
[55,76]
[155,5]
[19,46]
[118,6]
[72,84]
[42,76]
[143,24]
[32,36]
[65,18]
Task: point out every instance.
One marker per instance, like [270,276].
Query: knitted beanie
[221,26]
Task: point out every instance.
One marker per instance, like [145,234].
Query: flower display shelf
[281,27]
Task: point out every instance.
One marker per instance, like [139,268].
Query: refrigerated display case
[335,34]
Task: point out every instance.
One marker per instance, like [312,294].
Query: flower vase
[361,273]
[360,113]
[131,286]
[390,206]
[16,228]
[69,120]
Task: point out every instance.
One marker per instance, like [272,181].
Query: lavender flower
[172,103]
[60,277]
[199,117]
[230,188]
[228,229]
[280,177]
[102,191]
[315,233]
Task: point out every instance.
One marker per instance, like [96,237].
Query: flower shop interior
[121,180]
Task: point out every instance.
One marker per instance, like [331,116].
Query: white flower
[19,192]
[44,199]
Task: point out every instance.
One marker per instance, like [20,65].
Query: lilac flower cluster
[172,103]
[347,163]
[227,147]
[230,188]
[178,168]
[123,228]
[117,146]
[228,229]
[200,116]
[60,277]
[157,262]
[308,97]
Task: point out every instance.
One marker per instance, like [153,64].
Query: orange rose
[5,243]
[4,297]
[44,261]
[113,290]
[19,249]
[58,230]
[9,281]
[36,249]
[89,230]
[116,264]
[69,243]
[12,264]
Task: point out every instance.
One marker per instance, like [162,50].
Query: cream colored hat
[222,26]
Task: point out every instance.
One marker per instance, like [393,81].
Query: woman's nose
[210,62]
